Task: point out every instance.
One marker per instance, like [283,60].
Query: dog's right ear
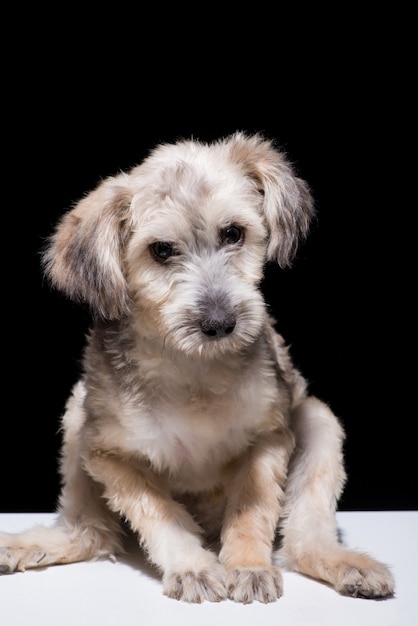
[83,258]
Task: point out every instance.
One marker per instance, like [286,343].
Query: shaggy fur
[190,424]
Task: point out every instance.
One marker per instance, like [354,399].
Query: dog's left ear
[288,204]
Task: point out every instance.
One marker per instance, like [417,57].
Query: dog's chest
[190,430]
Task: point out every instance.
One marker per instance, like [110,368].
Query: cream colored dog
[190,422]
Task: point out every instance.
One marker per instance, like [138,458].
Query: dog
[190,426]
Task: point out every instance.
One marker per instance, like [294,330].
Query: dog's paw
[263,584]
[370,579]
[190,586]
[19,559]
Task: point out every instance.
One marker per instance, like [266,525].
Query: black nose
[218,327]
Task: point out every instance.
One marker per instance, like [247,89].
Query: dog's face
[195,258]
[181,241]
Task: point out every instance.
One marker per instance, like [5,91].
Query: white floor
[129,593]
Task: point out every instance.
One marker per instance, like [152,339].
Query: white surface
[129,592]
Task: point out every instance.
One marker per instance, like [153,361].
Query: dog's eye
[232,234]
[161,250]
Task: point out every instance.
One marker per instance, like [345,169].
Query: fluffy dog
[190,425]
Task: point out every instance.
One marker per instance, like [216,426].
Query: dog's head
[181,241]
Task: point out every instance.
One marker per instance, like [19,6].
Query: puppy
[190,424]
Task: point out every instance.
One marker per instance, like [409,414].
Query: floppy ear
[83,257]
[287,206]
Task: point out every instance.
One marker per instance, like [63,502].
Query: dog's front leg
[167,532]
[255,498]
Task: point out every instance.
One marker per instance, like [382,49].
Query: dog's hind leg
[310,542]
[85,528]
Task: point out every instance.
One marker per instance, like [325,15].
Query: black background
[338,105]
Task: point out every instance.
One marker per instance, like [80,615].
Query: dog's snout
[217,327]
